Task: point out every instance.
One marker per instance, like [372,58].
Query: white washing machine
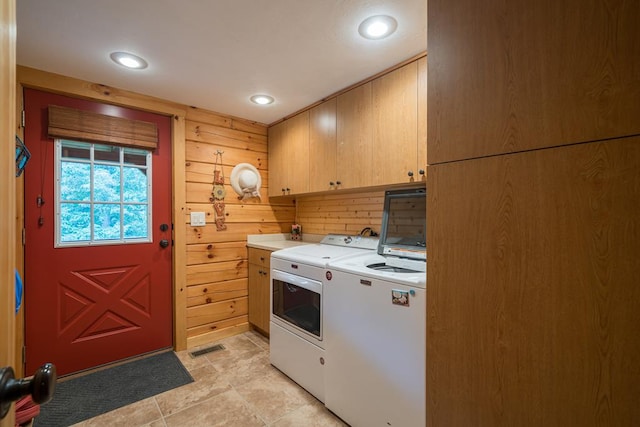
[375,324]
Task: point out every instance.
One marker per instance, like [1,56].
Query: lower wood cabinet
[259,288]
[533,288]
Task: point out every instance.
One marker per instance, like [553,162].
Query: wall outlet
[198,219]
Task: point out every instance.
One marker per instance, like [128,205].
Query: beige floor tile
[244,368]
[270,399]
[236,346]
[226,409]
[207,383]
[278,379]
[137,414]
[258,338]
[309,415]
[192,363]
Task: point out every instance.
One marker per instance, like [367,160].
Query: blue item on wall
[18,291]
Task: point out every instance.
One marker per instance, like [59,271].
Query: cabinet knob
[283,190]
[410,173]
[338,183]
[288,189]
[421,171]
[331,183]
[261,258]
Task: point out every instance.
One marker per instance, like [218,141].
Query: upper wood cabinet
[277,159]
[354,131]
[422,113]
[504,73]
[322,147]
[289,156]
[374,134]
[395,123]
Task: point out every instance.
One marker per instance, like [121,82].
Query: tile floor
[232,387]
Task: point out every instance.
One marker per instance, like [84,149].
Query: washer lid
[360,265]
[317,254]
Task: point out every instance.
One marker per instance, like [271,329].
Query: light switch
[198,219]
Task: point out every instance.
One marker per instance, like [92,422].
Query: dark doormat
[85,397]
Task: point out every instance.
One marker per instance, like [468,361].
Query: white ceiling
[215,54]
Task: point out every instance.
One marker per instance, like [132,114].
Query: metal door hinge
[22,119]
[24,237]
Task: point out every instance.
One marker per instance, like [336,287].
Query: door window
[103,194]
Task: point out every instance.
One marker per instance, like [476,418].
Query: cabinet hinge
[22,119]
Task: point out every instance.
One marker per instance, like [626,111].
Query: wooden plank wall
[340,213]
[217,266]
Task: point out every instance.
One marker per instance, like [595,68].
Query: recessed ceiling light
[262,99]
[377,27]
[128,60]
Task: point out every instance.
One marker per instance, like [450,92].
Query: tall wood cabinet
[533,227]
[259,288]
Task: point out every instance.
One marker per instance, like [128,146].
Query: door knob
[164,243]
[40,387]
[164,227]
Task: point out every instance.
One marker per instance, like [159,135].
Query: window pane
[75,181]
[135,221]
[75,222]
[102,193]
[106,218]
[106,183]
[135,157]
[76,150]
[106,153]
[135,185]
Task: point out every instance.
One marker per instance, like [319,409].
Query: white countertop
[274,242]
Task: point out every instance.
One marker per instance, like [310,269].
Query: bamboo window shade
[70,123]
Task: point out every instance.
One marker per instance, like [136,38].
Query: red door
[91,304]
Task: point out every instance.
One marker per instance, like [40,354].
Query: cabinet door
[422,114]
[297,163]
[256,300]
[354,132]
[395,115]
[509,76]
[277,159]
[533,288]
[322,146]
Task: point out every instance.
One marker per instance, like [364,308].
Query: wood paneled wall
[340,213]
[217,266]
